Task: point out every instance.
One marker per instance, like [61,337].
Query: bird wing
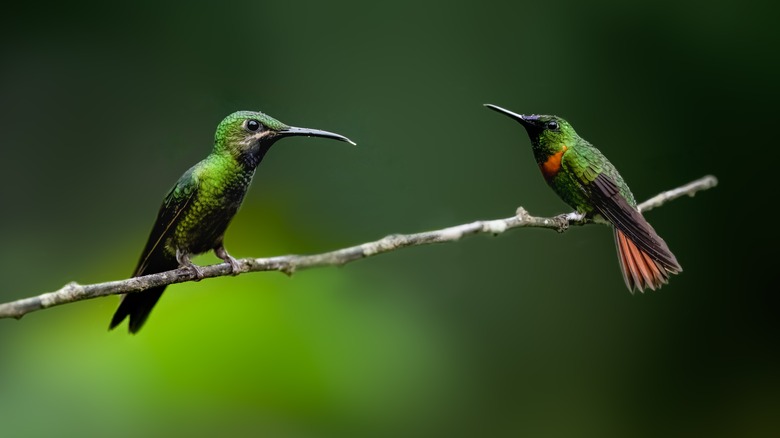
[603,193]
[174,204]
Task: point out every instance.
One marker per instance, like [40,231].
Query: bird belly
[201,229]
[570,191]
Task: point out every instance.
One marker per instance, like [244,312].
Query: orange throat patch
[553,164]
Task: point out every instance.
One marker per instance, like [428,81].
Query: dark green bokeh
[527,334]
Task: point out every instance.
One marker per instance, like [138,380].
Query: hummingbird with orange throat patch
[583,178]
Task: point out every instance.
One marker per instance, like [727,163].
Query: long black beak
[524,120]
[293,131]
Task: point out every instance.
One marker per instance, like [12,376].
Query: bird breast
[208,214]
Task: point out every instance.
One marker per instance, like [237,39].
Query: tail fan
[640,269]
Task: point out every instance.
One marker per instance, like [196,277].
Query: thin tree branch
[288,264]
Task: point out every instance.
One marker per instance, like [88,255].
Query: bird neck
[545,149]
[248,158]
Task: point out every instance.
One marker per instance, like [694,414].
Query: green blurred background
[526,334]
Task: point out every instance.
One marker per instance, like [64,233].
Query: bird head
[548,133]
[247,135]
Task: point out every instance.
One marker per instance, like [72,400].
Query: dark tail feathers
[137,306]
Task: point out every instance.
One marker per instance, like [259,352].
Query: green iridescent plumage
[583,177]
[196,212]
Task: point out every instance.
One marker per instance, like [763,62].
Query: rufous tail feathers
[640,270]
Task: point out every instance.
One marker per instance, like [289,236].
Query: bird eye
[252,125]
[552,125]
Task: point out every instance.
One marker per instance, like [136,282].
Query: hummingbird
[198,209]
[583,177]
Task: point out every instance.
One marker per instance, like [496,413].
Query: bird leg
[184,262]
[223,254]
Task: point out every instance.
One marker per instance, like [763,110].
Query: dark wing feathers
[175,203]
[138,305]
[610,203]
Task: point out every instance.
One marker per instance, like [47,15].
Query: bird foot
[196,270]
[185,262]
[562,222]
[235,267]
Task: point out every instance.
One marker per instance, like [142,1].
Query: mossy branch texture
[73,292]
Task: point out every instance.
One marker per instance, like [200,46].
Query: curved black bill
[306,132]
[523,119]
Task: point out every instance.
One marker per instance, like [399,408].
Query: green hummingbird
[583,177]
[196,212]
